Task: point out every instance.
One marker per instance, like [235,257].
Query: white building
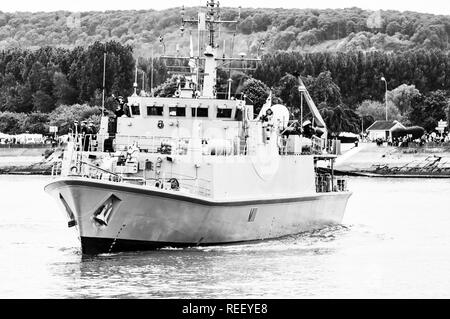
[383,129]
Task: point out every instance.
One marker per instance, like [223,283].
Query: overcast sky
[430,6]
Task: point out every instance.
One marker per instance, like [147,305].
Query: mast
[208,22]
[135,85]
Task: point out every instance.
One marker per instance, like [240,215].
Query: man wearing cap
[85,135]
[119,109]
[93,134]
[122,108]
[308,130]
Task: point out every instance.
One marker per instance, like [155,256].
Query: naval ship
[194,170]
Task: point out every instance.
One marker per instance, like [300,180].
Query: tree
[287,90]
[393,27]
[323,89]
[35,123]
[340,119]
[63,92]
[168,88]
[10,123]
[257,92]
[402,96]
[283,40]
[428,110]
[64,116]
[377,110]
[42,102]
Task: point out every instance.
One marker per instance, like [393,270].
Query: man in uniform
[85,135]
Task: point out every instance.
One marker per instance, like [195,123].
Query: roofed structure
[383,129]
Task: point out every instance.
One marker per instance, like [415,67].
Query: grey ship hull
[143,218]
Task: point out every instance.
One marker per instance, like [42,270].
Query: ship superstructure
[192,169]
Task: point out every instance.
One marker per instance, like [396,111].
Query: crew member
[92,131]
[308,130]
[122,107]
[85,135]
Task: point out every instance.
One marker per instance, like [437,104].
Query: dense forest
[281,29]
[51,64]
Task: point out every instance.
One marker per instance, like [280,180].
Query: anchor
[103,216]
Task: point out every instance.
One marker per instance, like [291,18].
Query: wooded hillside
[51,61]
[281,29]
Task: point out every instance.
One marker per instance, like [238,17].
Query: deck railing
[161,144]
[188,184]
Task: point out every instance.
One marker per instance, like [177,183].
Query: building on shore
[383,129]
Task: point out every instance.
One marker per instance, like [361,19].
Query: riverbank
[28,161]
[369,159]
[366,159]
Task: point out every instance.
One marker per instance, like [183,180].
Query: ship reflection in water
[394,243]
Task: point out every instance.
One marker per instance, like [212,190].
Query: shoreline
[369,159]
[28,160]
[366,160]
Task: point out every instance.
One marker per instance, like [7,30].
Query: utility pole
[103,93]
[151,76]
[385,95]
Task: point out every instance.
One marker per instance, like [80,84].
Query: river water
[394,242]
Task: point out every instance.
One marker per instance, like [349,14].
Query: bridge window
[177,111]
[200,112]
[154,110]
[224,113]
[135,110]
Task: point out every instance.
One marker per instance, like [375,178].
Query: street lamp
[161,39]
[385,95]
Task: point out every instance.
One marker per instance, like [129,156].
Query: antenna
[209,22]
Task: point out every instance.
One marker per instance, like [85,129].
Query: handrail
[100,169]
[235,146]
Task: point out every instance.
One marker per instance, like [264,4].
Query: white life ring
[74,170]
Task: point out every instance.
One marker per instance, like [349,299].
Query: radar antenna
[209,21]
